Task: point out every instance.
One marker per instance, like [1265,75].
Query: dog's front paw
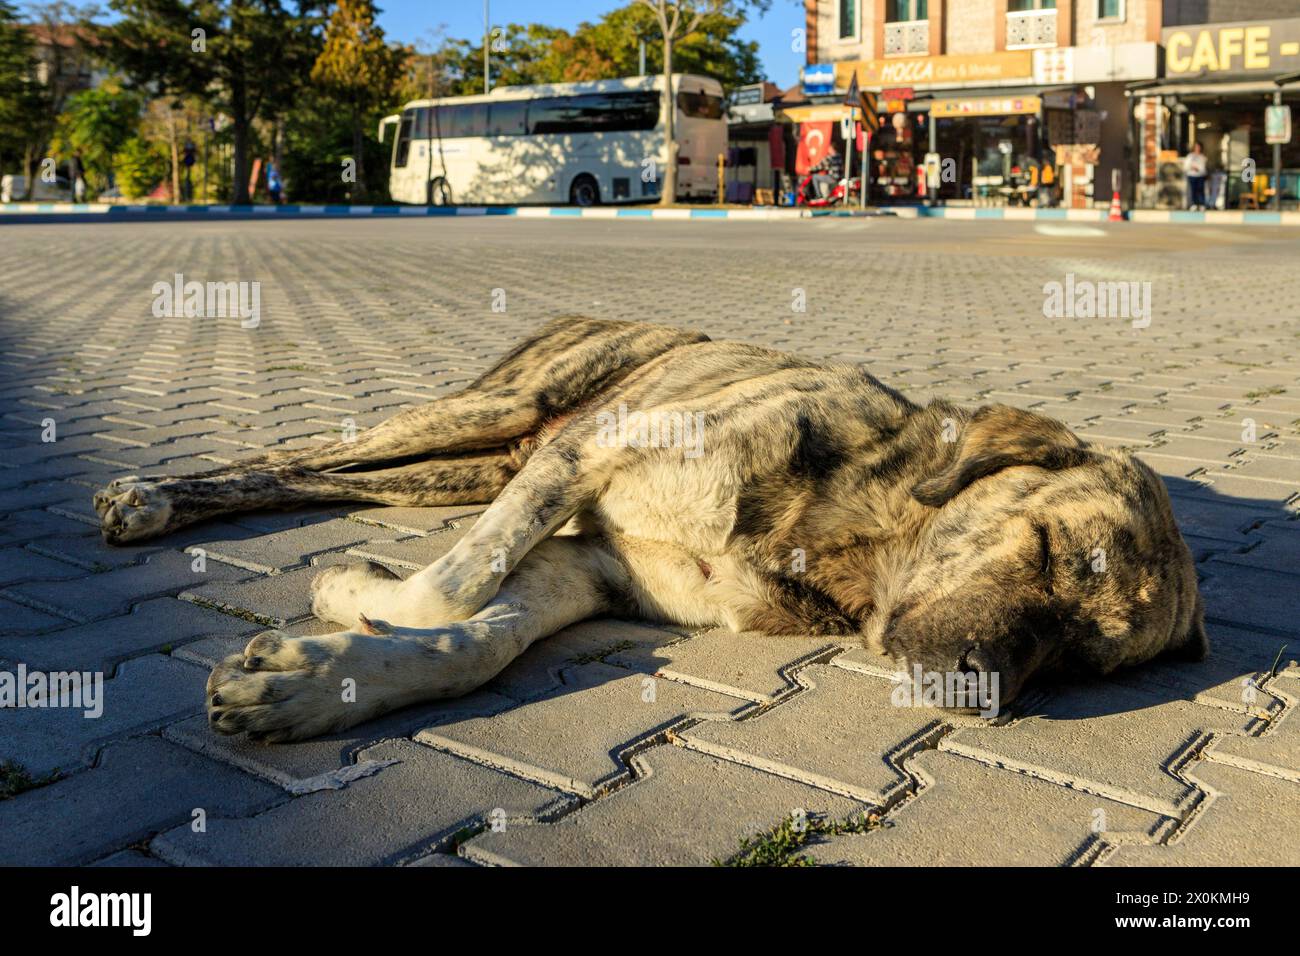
[131,509]
[284,688]
[348,592]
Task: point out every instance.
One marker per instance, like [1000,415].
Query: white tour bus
[580,143]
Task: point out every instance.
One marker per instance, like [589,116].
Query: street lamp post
[487,48]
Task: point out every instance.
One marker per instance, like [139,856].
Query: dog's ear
[997,437]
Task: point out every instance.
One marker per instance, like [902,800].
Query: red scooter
[842,192]
[825,185]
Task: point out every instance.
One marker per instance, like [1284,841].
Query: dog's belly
[669,524]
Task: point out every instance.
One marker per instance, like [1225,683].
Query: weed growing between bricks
[14,779]
[780,845]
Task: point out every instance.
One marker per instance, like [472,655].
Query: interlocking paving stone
[418,520]
[153,625]
[132,393]
[843,733]
[325,762]
[688,809]
[744,665]
[285,550]
[116,591]
[537,670]
[1245,821]
[273,600]
[1251,597]
[137,788]
[573,738]
[969,814]
[413,553]
[1107,738]
[1277,750]
[411,806]
[144,694]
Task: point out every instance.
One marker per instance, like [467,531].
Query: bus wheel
[584,191]
[439,193]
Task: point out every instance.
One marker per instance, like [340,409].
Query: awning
[1005,105]
[821,113]
[1243,88]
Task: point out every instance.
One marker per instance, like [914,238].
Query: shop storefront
[1023,126]
[1219,82]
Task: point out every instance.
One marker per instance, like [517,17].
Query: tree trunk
[176,156]
[240,190]
[358,150]
[240,121]
[669,107]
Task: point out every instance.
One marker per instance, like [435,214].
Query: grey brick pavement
[566,758]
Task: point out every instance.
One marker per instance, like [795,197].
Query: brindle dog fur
[819,502]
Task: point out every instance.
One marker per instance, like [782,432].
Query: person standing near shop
[1196,167]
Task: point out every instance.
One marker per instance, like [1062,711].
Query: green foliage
[780,845]
[96,125]
[605,49]
[360,72]
[356,65]
[14,779]
[17,86]
[251,59]
[138,166]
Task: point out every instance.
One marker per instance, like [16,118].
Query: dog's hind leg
[283,688]
[568,363]
[134,510]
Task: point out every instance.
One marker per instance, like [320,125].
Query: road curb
[106,212]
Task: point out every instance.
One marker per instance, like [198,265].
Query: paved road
[616,742]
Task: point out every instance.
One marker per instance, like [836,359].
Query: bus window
[700,105]
[594,113]
[507,118]
[422,123]
[467,119]
[403,145]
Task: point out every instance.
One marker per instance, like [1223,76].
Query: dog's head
[1041,554]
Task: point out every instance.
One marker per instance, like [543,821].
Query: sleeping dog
[642,471]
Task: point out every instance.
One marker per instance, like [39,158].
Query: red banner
[814,144]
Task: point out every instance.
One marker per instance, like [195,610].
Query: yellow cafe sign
[913,71]
[1258,48]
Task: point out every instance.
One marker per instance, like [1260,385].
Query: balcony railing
[1031,28]
[907,38]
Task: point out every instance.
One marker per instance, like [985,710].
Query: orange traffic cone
[1116,211]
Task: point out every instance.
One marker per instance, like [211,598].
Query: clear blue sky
[413,20]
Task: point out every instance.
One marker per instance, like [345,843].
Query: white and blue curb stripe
[108,212]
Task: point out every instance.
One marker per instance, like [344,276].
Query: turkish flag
[814,144]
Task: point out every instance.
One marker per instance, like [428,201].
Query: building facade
[992,88]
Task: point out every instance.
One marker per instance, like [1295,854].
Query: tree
[95,126]
[252,57]
[18,86]
[676,21]
[359,69]
[520,55]
[57,46]
[138,166]
[611,47]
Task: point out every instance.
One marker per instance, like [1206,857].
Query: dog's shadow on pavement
[1241,547]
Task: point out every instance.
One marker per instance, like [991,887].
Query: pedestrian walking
[1196,166]
[273,184]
